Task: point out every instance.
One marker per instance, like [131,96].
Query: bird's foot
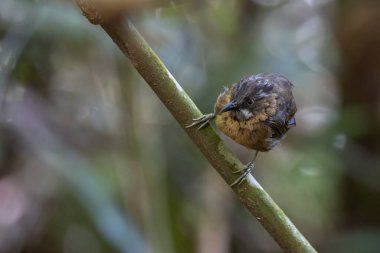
[202,121]
[244,173]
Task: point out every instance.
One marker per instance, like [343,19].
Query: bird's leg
[202,121]
[245,171]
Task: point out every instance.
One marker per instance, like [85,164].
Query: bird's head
[247,96]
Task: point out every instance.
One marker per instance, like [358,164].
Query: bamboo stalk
[183,109]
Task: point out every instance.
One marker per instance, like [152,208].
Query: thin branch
[151,68]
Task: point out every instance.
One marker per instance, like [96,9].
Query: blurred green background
[91,161]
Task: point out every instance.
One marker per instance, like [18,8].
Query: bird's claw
[202,121]
[244,173]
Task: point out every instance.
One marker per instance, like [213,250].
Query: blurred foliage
[91,161]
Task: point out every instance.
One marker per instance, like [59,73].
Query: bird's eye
[250,101]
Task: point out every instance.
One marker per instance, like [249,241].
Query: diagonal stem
[183,109]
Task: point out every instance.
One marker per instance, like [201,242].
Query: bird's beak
[228,107]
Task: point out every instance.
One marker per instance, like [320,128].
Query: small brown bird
[256,112]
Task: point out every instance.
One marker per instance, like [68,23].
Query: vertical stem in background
[359,39]
[146,182]
[214,232]
[251,194]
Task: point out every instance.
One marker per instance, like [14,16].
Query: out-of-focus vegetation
[90,161]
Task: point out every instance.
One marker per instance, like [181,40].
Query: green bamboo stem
[250,193]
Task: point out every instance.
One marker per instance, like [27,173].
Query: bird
[256,112]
